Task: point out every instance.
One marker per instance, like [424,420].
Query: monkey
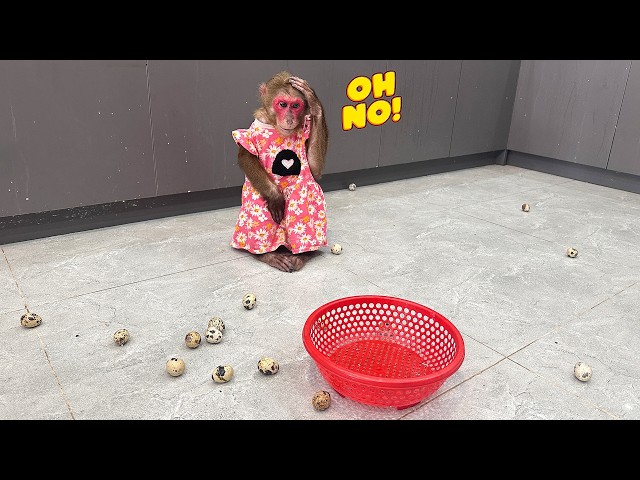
[282,218]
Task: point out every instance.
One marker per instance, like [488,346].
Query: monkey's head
[283,106]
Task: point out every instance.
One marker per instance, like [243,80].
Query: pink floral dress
[304,227]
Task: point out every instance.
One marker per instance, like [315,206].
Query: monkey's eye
[295,105]
[282,104]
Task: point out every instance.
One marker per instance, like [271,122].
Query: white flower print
[299,228]
[289,144]
[304,238]
[254,209]
[261,235]
[272,151]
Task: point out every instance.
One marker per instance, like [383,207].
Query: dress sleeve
[243,137]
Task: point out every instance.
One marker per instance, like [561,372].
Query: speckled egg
[268,366]
[336,249]
[213,335]
[321,400]
[216,322]
[121,336]
[193,339]
[582,371]
[175,366]
[30,320]
[572,252]
[352,186]
[249,301]
[222,373]
[525,207]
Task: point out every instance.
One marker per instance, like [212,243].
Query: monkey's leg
[299,260]
[280,260]
[284,260]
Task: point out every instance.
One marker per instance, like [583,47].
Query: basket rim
[372,380]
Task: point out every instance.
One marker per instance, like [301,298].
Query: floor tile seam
[615,346]
[484,220]
[609,298]
[113,287]
[561,245]
[15,280]
[10,312]
[55,376]
[443,391]
[554,383]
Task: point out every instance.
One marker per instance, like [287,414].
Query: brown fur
[283,82]
[267,91]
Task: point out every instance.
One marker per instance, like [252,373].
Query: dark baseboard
[575,171]
[58,222]
[372,176]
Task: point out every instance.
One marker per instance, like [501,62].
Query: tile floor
[456,242]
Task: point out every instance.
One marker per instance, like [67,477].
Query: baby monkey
[282,219]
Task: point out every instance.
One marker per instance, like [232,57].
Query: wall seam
[615,128]
[153,144]
[455,110]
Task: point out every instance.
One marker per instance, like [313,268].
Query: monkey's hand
[262,182]
[275,204]
[315,107]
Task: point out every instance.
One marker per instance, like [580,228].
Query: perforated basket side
[399,398]
[383,350]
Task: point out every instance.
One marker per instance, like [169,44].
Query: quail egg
[321,400]
[352,186]
[268,366]
[249,301]
[222,373]
[216,322]
[30,320]
[121,336]
[213,335]
[582,371]
[193,339]
[175,366]
[572,252]
[525,207]
[336,249]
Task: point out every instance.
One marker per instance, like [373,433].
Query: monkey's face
[289,112]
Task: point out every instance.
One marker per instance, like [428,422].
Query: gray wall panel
[485,103]
[351,149]
[83,132]
[196,104]
[73,133]
[428,89]
[568,109]
[625,153]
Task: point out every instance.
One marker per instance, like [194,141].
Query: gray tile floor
[456,242]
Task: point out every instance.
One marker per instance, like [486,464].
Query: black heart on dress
[286,163]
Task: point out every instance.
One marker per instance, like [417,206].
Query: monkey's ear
[262,89]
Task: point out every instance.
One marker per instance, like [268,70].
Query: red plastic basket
[382,351]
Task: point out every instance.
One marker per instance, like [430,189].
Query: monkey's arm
[319,134]
[317,145]
[262,182]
